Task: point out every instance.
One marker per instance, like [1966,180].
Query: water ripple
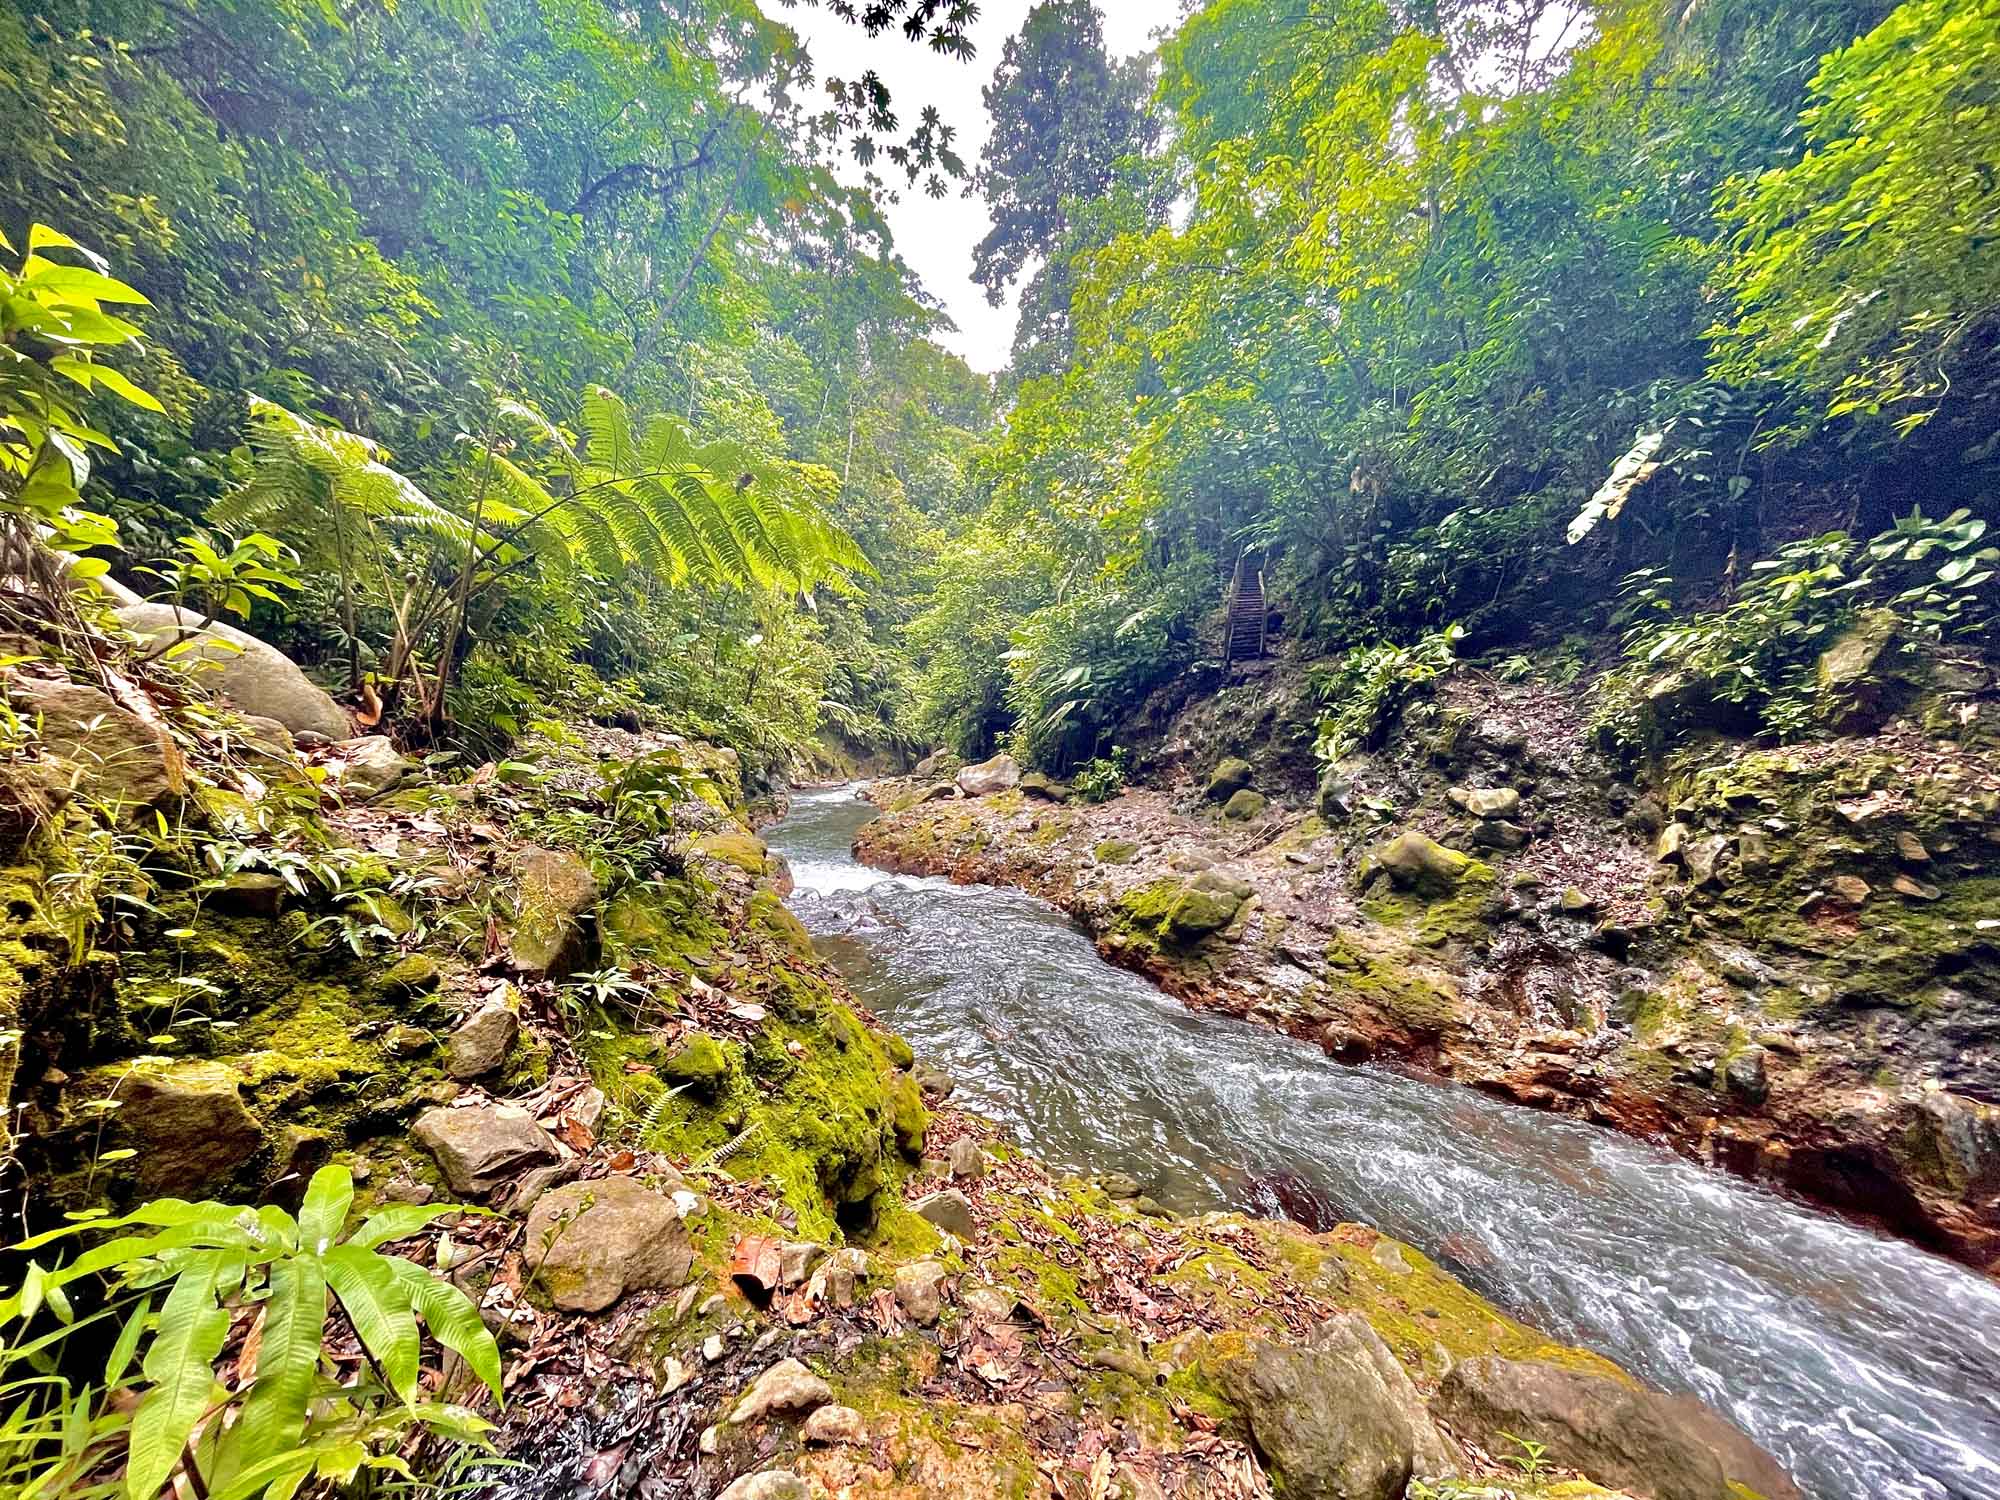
[1870,1367]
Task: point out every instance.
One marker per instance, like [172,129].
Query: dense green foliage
[424,227]
[169,1286]
[1469,310]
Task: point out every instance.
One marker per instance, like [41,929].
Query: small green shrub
[174,1288]
[1365,690]
[1102,779]
[1761,651]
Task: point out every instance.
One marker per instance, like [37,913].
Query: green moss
[667,923]
[738,848]
[770,913]
[700,1063]
[1115,852]
[1425,1000]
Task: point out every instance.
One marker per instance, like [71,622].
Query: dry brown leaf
[755,1264]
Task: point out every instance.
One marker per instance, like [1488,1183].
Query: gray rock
[248,893]
[920,1291]
[1349,1335]
[950,1210]
[1703,857]
[966,1159]
[555,900]
[371,766]
[258,678]
[482,1041]
[1244,805]
[1664,1447]
[1230,776]
[189,1124]
[480,1149]
[787,1389]
[931,765]
[835,1424]
[1323,1420]
[1498,833]
[838,1277]
[1000,774]
[1334,798]
[1966,1137]
[1745,1076]
[796,1258]
[589,1243]
[1487,801]
[772,1484]
[120,758]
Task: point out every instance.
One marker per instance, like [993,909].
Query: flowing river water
[1870,1367]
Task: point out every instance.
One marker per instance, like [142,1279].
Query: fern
[288,1421]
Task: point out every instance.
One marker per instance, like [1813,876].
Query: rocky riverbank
[736,1240]
[1785,961]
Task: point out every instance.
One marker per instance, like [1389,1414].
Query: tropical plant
[1867,272]
[176,1289]
[1101,779]
[54,328]
[1366,689]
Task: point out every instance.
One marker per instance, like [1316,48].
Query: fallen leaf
[755,1264]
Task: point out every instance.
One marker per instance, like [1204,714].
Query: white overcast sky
[936,235]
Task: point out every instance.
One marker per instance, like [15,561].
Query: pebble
[711,1348]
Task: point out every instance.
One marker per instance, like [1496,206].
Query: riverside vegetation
[462,460]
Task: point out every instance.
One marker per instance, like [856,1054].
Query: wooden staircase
[1248,624]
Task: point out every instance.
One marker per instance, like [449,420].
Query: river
[1872,1368]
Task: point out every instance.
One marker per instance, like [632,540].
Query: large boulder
[1244,805]
[1414,862]
[1326,1422]
[1000,774]
[121,759]
[555,901]
[1656,1446]
[787,1389]
[483,1148]
[189,1124]
[1207,903]
[589,1243]
[258,678]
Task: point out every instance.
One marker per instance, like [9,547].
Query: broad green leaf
[378,1306]
[47,276]
[274,1414]
[277,1475]
[453,1321]
[398,1222]
[180,1364]
[129,1334]
[324,1212]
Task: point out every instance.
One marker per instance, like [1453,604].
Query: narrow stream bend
[1870,1367]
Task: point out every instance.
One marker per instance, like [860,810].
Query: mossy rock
[1115,852]
[700,1063]
[1245,806]
[407,978]
[769,912]
[1230,776]
[736,847]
